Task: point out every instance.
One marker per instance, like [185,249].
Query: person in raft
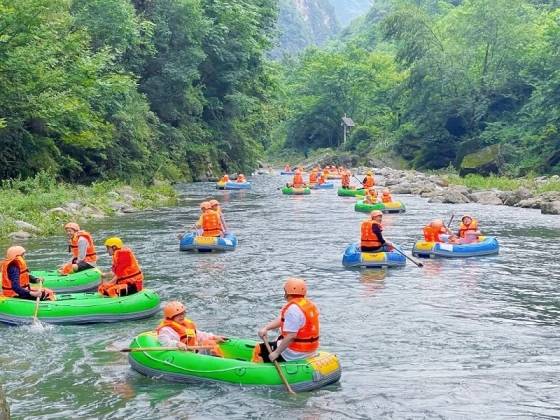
[126,277]
[209,221]
[313,176]
[177,331]
[369,180]
[80,244]
[287,168]
[436,231]
[345,179]
[224,179]
[241,178]
[215,206]
[299,327]
[371,234]
[468,230]
[16,279]
[297,181]
[371,196]
[386,196]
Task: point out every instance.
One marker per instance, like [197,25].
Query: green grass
[29,200]
[479,182]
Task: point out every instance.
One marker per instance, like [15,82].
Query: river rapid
[472,338]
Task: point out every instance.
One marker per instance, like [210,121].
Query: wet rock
[424,188]
[486,197]
[511,198]
[28,227]
[530,203]
[552,207]
[92,213]
[20,235]
[59,211]
[450,196]
[129,209]
[401,189]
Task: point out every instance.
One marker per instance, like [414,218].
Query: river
[473,338]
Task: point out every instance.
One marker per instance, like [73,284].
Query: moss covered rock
[483,162]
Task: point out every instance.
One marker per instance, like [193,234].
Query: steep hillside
[302,23]
[348,10]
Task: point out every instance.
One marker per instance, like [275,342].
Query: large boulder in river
[511,198]
[20,235]
[484,162]
[530,203]
[552,207]
[404,188]
[450,196]
[486,197]
[27,227]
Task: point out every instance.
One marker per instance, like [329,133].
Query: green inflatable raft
[350,192]
[392,207]
[235,367]
[80,308]
[81,281]
[296,191]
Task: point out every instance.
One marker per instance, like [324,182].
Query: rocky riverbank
[31,208]
[438,189]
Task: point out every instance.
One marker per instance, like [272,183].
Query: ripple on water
[456,339]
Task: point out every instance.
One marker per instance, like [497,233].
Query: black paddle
[416,263]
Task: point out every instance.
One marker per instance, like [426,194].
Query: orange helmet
[298,171]
[295,286]
[14,251]
[385,190]
[214,203]
[72,225]
[437,223]
[173,308]
[205,205]
[376,213]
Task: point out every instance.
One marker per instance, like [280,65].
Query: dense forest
[472,83]
[181,89]
[134,89]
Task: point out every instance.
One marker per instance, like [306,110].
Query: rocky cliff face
[348,10]
[302,23]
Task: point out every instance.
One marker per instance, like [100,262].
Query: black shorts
[265,353]
[372,249]
[82,265]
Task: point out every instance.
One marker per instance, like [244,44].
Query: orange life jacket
[369,238]
[463,229]
[23,276]
[321,179]
[91,255]
[431,234]
[307,338]
[386,198]
[298,180]
[345,179]
[369,181]
[211,224]
[313,176]
[131,274]
[326,173]
[186,330]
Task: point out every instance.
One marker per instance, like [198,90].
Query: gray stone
[20,235]
[511,198]
[129,209]
[486,197]
[28,227]
[461,189]
[451,197]
[483,162]
[59,211]
[117,205]
[401,189]
[552,207]
[530,203]
[73,206]
[440,182]
[436,199]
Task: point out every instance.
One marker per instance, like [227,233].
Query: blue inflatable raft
[325,186]
[353,257]
[192,242]
[232,185]
[485,246]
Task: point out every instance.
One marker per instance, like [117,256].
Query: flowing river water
[473,338]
